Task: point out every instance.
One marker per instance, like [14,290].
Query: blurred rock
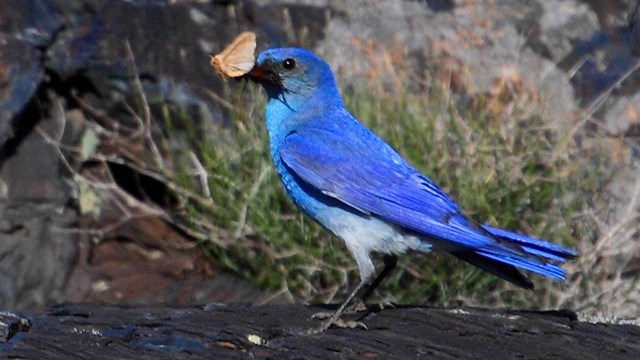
[27,27]
[58,59]
[623,115]
[37,251]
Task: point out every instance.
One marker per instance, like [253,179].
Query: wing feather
[360,174]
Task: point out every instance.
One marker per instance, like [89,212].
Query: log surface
[216,331]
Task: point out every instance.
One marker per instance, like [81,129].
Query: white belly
[365,234]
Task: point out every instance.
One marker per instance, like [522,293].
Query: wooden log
[237,331]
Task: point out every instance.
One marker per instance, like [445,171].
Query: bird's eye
[289,64]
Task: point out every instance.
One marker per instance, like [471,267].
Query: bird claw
[357,307]
[348,324]
[338,323]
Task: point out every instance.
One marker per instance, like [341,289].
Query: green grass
[511,170]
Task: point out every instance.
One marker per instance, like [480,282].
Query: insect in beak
[238,58]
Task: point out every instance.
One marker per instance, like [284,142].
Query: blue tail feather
[529,264]
[505,263]
[534,246]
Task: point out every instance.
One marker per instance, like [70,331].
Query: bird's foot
[357,307]
[348,324]
[336,323]
[333,320]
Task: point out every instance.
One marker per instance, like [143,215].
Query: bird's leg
[390,262]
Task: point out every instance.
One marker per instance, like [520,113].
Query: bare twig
[600,100]
[146,110]
[252,193]
[201,173]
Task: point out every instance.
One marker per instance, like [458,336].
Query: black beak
[265,73]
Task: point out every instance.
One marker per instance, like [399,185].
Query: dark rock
[27,27]
[53,55]
[12,324]
[37,252]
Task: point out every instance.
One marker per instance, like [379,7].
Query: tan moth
[238,57]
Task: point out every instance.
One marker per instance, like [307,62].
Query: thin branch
[201,174]
[145,109]
[600,100]
[252,194]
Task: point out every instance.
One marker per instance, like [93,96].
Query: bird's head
[295,76]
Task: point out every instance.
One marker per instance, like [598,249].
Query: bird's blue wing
[363,172]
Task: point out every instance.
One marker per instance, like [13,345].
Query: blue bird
[355,185]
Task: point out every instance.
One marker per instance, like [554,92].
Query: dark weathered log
[88,331]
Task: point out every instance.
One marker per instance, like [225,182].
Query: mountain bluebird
[352,183]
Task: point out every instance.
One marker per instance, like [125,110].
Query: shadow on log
[217,331]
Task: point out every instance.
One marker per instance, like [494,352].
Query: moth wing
[238,57]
